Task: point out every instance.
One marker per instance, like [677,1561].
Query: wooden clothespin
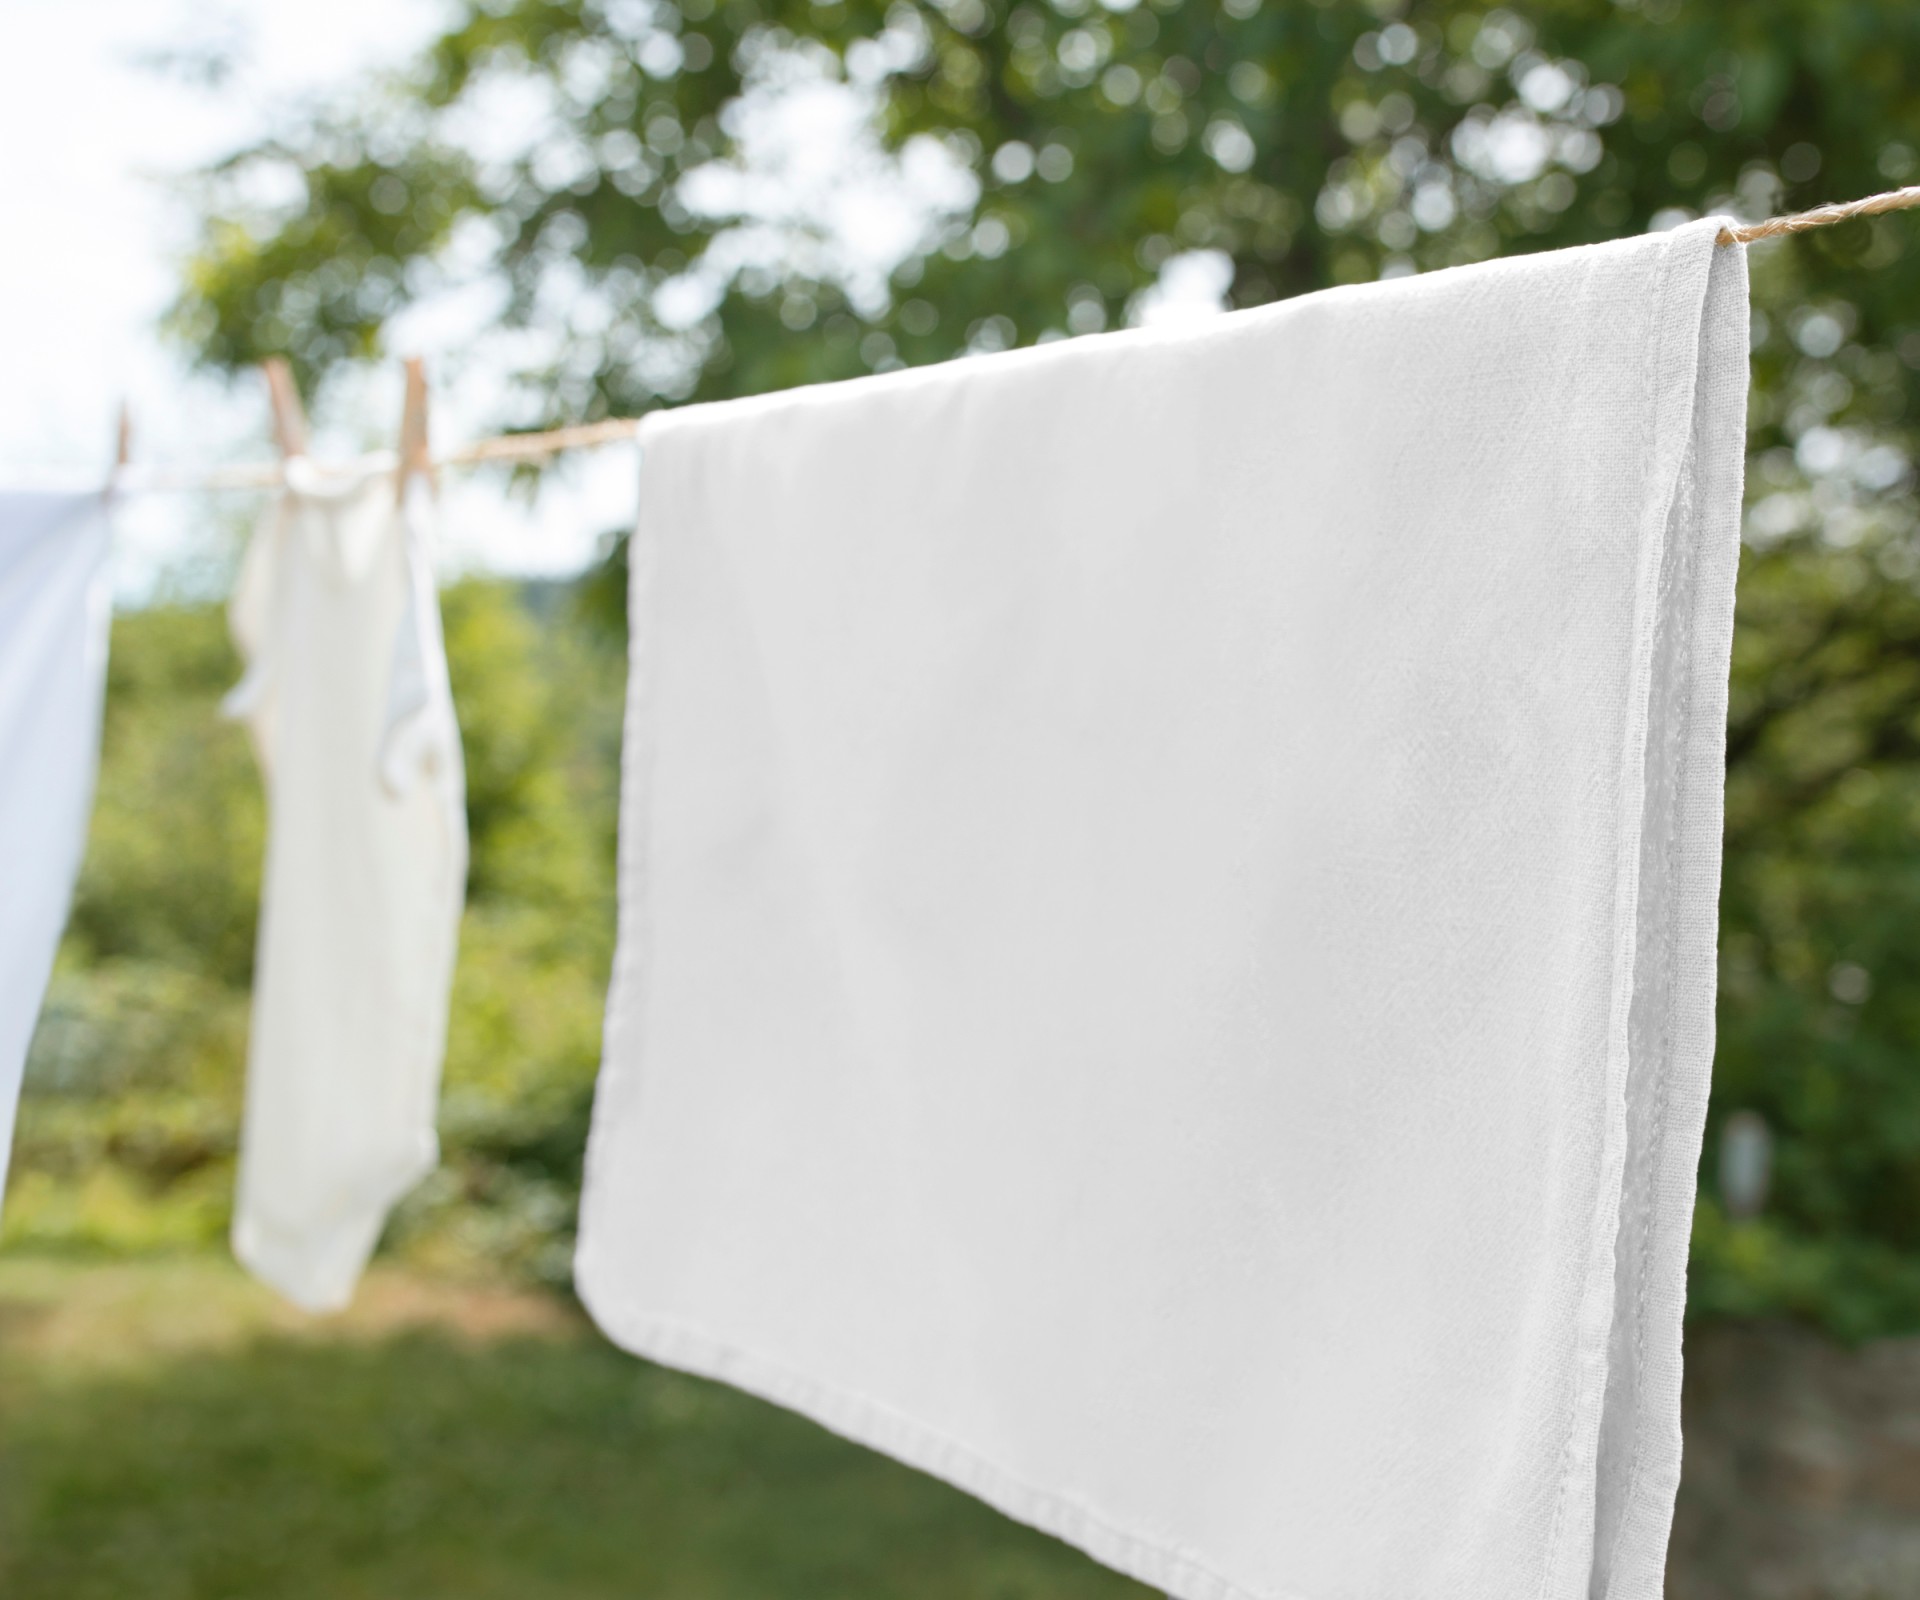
[289,419]
[416,454]
[123,439]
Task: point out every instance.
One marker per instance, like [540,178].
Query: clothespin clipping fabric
[289,417]
[415,450]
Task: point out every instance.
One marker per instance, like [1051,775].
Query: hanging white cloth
[347,698]
[1168,916]
[55,608]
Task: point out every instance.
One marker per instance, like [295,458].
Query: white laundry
[55,607]
[1168,915]
[347,698]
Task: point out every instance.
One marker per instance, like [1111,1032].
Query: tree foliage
[1288,146]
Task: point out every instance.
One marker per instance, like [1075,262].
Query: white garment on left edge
[54,609]
[347,697]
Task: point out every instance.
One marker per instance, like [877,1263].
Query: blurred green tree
[1089,148]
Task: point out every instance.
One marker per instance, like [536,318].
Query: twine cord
[505,447]
[535,446]
[1822,216]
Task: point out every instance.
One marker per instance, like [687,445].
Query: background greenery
[168,1429]
[1301,144]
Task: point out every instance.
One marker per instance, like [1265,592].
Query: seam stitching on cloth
[680,1344]
[1570,1457]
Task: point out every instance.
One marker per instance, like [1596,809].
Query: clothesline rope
[1823,216]
[502,447]
[532,446]
[586,435]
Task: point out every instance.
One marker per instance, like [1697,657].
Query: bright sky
[88,138]
[91,134]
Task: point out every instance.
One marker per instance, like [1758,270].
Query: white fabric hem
[869,1423]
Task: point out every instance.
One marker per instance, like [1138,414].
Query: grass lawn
[169,1432]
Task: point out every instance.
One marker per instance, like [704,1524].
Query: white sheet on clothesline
[1167,921]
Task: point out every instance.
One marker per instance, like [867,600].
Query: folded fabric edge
[1692,296]
[1679,1074]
